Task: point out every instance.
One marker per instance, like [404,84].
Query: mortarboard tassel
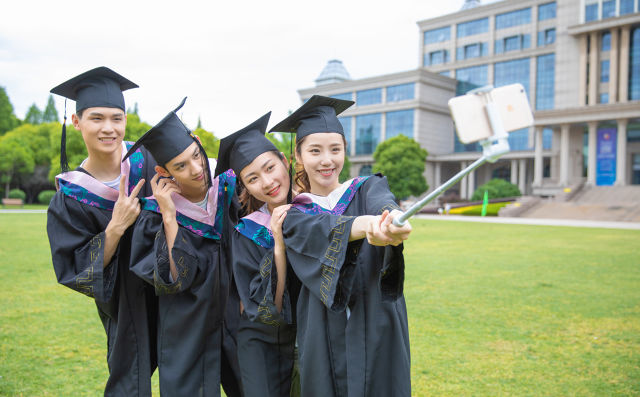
[64,164]
[290,193]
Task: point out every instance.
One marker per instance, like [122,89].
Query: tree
[497,188]
[135,128]
[76,149]
[134,110]
[34,115]
[402,161]
[8,120]
[209,142]
[50,113]
[15,158]
[199,126]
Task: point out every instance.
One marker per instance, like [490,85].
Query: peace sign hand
[126,208]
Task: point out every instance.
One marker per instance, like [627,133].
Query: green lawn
[493,310]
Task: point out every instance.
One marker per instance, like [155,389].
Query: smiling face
[187,169]
[322,156]
[102,129]
[267,179]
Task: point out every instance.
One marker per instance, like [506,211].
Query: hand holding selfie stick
[492,148]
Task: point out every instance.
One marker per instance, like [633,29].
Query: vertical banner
[606,153]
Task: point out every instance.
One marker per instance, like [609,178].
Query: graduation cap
[99,87]
[318,114]
[242,147]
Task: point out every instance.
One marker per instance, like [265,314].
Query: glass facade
[609,9]
[512,43]
[474,50]
[401,92]
[626,7]
[346,126]
[513,18]
[546,11]
[604,98]
[347,96]
[369,97]
[472,27]
[445,73]
[438,57]
[545,81]
[604,71]
[546,37]
[510,72]
[634,65]
[399,122]
[437,35]
[367,132]
[591,12]
[470,78]
[605,43]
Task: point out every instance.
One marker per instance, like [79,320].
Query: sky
[234,60]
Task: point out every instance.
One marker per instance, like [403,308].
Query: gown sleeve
[256,277]
[150,255]
[320,254]
[77,240]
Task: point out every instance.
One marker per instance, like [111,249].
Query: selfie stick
[492,148]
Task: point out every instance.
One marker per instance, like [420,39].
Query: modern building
[579,61]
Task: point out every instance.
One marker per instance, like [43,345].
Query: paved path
[23,211]
[534,221]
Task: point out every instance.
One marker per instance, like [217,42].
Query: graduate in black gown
[266,337]
[178,247]
[88,223]
[352,320]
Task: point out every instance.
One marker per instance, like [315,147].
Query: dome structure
[334,72]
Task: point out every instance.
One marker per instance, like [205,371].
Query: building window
[546,37]
[519,139]
[437,57]
[591,12]
[513,43]
[437,35]
[346,127]
[609,9]
[400,92]
[606,41]
[626,7]
[547,138]
[546,11]
[545,81]
[470,78]
[634,65]
[400,122]
[366,170]
[511,72]
[347,96]
[472,27]
[604,71]
[369,97]
[513,18]
[445,73]
[367,133]
[604,98]
[474,50]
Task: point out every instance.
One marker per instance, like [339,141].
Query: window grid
[545,82]
[604,71]
[510,72]
[367,133]
[346,127]
[634,65]
[401,92]
[472,27]
[399,122]
[626,7]
[437,35]
[347,96]
[369,97]
[606,41]
[513,18]
[546,11]
[604,98]
[591,12]
[512,43]
[609,9]
[546,37]
[470,78]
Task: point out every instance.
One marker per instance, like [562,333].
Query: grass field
[493,310]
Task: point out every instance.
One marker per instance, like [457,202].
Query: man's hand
[126,209]
[162,190]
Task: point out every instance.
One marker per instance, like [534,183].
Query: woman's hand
[162,189]
[277,218]
[381,232]
[394,232]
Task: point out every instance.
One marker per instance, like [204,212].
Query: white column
[522,178]
[472,183]
[438,175]
[591,161]
[564,154]
[514,172]
[538,162]
[463,182]
[621,155]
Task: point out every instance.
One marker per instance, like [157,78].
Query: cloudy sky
[235,60]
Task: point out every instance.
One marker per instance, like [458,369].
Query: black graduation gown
[76,220]
[266,337]
[196,349]
[368,353]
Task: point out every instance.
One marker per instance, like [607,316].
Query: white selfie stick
[492,148]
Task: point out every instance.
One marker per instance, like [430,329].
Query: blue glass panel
[591,12]
[519,139]
[472,51]
[470,78]
[604,98]
[459,53]
[634,65]
[347,96]
[485,48]
[473,27]
[366,170]
[445,73]
[459,147]
[369,97]
[513,18]
[438,57]
[547,138]
[512,43]
[367,133]
[546,37]
[400,92]
[606,41]
[346,126]
[609,9]
[545,81]
[604,71]
[626,7]
[546,11]
[510,72]
[437,35]
[498,47]
[400,122]
[526,41]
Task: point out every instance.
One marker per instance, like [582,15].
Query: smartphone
[470,116]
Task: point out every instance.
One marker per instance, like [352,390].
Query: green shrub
[17,193]
[45,196]
[497,188]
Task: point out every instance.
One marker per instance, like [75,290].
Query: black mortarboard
[318,114]
[242,147]
[99,87]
